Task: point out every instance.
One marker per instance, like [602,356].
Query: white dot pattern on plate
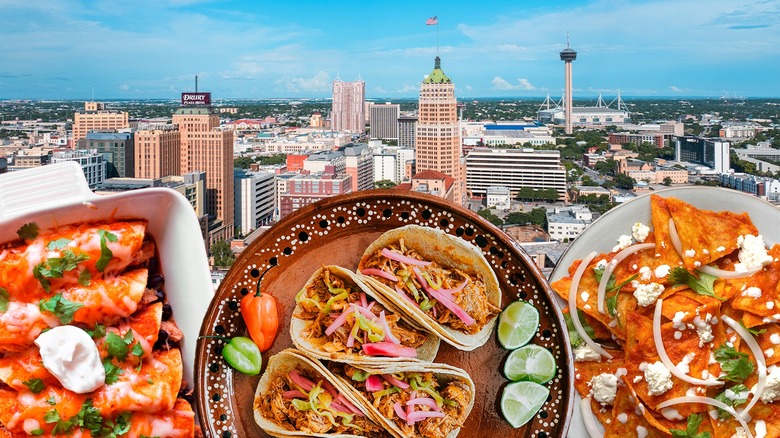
[511,265]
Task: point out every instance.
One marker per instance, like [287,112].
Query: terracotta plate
[336,231]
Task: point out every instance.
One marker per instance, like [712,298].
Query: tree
[242,162]
[223,255]
[667,181]
[623,181]
[529,194]
[537,216]
[269,160]
[384,184]
[492,218]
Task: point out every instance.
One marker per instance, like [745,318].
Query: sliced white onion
[760,360]
[721,273]
[675,238]
[659,345]
[589,419]
[610,268]
[573,311]
[707,401]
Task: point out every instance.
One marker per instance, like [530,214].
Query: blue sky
[62,49]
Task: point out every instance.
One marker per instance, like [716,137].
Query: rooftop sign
[195,99]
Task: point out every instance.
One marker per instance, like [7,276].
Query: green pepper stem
[259,280]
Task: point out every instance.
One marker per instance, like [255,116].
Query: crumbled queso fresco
[640,231]
[603,388]
[658,378]
[752,253]
[583,353]
[646,294]
[623,242]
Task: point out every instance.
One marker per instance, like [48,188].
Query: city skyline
[77,49]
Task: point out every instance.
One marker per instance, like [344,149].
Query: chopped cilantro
[736,365]
[55,267]
[112,372]
[85,278]
[703,285]
[60,307]
[574,337]
[35,385]
[51,416]
[36,432]
[3,300]
[98,332]
[51,400]
[736,389]
[28,231]
[105,253]
[58,244]
[117,346]
[694,422]
[137,350]
[150,381]
[89,418]
[753,331]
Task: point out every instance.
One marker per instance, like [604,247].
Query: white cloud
[675,89]
[406,88]
[124,87]
[523,84]
[320,82]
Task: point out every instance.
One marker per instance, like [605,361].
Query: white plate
[58,194]
[602,235]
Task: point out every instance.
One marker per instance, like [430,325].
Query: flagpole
[437,36]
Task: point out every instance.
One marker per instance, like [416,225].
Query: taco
[295,398]
[413,400]
[338,317]
[442,281]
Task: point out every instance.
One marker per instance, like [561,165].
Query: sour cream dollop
[71,356]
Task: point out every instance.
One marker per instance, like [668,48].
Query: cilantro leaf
[574,337]
[58,244]
[38,275]
[137,350]
[55,267]
[51,400]
[28,231]
[36,432]
[734,399]
[753,331]
[98,332]
[89,418]
[51,416]
[702,285]
[116,346]
[105,253]
[694,422]
[112,372]
[60,307]
[3,300]
[736,365]
[121,425]
[35,385]
[85,278]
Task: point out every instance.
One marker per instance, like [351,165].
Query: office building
[254,199]
[566,223]
[499,197]
[301,190]
[384,121]
[316,120]
[95,117]
[207,148]
[437,139]
[622,138]
[91,162]
[158,152]
[348,111]
[359,164]
[407,129]
[515,169]
[711,152]
[118,149]
[386,166]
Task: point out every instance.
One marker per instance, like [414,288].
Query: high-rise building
[158,152]
[207,148]
[297,191]
[437,139]
[91,162]
[118,149]
[360,166]
[516,169]
[348,112]
[95,117]
[407,129]
[712,152]
[255,199]
[384,121]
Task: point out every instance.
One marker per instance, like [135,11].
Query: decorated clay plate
[336,231]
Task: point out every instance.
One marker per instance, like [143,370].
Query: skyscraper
[207,148]
[157,152]
[568,56]
[384,121]
[437,139]
[349,99]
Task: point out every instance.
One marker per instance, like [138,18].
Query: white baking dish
[58,195]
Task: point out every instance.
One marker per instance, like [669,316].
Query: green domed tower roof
[437,76]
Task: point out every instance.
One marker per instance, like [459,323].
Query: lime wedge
[521,401]
[517,324]
[531,362]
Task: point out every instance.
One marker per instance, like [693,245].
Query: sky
[76,49]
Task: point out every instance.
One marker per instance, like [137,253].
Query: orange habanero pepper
[261,316]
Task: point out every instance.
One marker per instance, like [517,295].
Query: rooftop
[437,76]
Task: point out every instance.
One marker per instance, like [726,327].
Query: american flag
[432,21]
